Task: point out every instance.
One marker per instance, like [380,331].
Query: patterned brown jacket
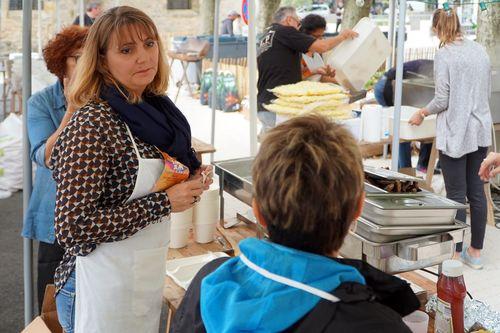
[95,167]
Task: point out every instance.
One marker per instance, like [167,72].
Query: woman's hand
[184,195]
[418,117]
[490,167]
[206,173]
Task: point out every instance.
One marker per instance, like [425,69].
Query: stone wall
[170,22]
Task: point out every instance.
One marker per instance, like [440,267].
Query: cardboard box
[47,322]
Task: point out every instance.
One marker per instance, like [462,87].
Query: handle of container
[417,252]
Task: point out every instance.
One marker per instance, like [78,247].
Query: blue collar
[59,99]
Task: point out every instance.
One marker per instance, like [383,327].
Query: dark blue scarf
[157,121]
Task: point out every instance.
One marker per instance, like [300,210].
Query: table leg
[185,65]
[221,201]
[431,165]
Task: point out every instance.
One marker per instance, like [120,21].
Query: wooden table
[201,148]
[172,292]
[185,59]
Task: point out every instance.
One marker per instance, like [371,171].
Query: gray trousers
[267,119]
[462,181]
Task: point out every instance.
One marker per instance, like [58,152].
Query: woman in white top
[462,74]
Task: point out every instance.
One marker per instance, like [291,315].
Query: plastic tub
[356,60]
[409,132]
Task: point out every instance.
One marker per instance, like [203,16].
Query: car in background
[318,9]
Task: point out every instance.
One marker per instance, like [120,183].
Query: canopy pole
[39,27]
[399,84]
[252,76]
[390,33]
[82,13]
[215,65]
[58,15]
[27,175]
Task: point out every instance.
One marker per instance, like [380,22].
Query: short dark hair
[311,23]
[308,180]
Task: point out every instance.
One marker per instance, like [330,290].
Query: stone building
[173,18]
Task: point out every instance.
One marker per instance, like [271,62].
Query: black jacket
[375,307]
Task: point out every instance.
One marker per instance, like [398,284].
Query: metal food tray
[410,209]
[372,189]
[389,174]
[235,177]
[385,234]
[404,255]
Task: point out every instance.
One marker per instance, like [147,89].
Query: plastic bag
[11,154]
[174,172]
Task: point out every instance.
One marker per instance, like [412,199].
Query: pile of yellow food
[310,97]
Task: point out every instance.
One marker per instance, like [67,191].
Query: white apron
[288,282]
[119,285]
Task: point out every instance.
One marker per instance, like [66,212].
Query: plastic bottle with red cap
[451,292]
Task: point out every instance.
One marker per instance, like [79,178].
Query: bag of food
[173,173]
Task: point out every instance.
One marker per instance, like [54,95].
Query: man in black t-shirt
[279,57]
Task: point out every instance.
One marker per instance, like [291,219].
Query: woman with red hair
[48,115]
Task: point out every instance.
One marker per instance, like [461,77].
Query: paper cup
[207,210]
[179,238]
[180,227]
[204,233]
[418,321]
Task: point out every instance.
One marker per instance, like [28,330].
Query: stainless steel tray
[385,234]
[410,209]
[235,177]
[389,174]
[404,255]
[372,189]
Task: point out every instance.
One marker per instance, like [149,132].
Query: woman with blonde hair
[110,165]
[462,75]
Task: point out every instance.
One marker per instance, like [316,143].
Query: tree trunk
[265,13]
[353,13]
[488,32]
[207,9]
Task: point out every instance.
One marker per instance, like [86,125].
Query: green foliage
[373,80]
[296,3]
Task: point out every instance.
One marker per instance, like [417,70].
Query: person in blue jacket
[48,114]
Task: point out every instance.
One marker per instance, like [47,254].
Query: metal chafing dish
[404,255]
[410,209]
[385,234]
[401,248]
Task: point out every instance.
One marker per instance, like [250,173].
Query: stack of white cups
[180,227]
[206,216]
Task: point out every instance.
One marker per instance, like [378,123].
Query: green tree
[296,3]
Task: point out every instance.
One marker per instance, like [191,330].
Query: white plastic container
[371,122]
[183,270]
[179,229]
[206,216]
[409,132]
[356,60]
[354,126]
